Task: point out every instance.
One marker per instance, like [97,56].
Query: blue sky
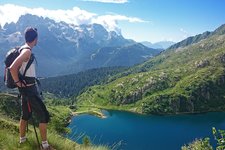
[141,20]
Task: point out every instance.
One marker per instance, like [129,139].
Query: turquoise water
[140,132]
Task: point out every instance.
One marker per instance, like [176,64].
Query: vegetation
[86,141]
[204,144]
[74,84]
[220,138]
[187,79]
[201,144]
[9,130]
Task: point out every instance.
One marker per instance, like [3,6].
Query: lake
[142,132]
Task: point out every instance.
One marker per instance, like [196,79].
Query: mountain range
[65,48]
[158,45]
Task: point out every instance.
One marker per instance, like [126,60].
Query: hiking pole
[29,109]
[27,126]
[35,132]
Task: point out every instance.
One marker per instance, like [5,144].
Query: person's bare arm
[15,66]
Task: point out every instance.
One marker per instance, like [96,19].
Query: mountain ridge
[64,45]
[194,39]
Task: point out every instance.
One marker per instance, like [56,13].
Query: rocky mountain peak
[62,45]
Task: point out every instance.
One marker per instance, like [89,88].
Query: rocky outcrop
[151,84]
[222,58]
[202,63]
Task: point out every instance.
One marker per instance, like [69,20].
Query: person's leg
[40,110]
[43,126]
[22,129]
[24,117]
[43,131]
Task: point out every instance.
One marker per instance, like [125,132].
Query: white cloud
[11,13]
[108,1]
[110,21]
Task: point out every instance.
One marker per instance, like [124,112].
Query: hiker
[31,100]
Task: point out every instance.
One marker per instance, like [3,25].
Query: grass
[9,139]
[9,129]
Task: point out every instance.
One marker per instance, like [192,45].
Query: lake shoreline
[91,112]
[98,112]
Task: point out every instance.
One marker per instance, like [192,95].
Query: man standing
[31,100]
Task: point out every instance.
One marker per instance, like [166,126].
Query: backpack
[9,59]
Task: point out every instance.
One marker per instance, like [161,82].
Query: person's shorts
[31,102]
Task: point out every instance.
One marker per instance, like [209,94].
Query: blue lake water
[142,132]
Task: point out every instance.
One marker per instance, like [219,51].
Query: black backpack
[9,59]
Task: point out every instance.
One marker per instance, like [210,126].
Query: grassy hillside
[186,79]
[9,129]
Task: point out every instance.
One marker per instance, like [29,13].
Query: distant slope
[183,79]
[114,56]
[158,45]
[74,84]
[165,44]
[128,55]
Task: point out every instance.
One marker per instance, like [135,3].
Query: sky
[140,20]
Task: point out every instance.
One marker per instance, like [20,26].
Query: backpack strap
[28,64]
[22,48]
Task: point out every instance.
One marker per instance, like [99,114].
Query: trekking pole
[27,126]
[35,132]
[29,109]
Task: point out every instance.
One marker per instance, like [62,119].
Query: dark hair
[30,34]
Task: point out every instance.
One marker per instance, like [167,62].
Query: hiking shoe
[48,148]
[24,140]
[24,143]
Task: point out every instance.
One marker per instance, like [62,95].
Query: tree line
[72,85]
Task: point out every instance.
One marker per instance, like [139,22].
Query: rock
[222,58]
[202,63]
